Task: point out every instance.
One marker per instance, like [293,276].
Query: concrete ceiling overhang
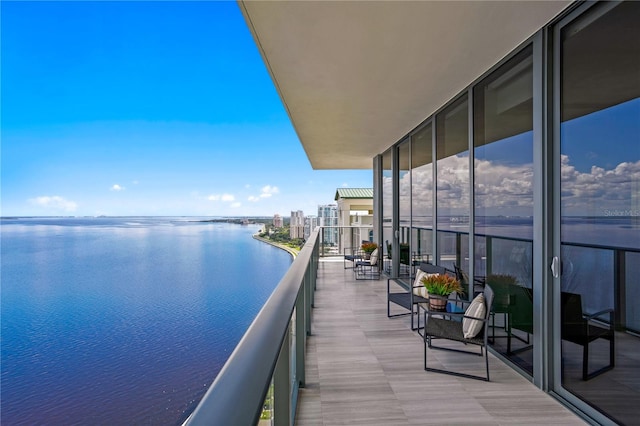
[356,76]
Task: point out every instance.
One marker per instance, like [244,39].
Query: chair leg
[585,361]
[612,351]
[412,305]
[486,358]
[427,344]
[455,373]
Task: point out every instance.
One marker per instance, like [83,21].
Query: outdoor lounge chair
[352,254]
[368,268]
[460,327]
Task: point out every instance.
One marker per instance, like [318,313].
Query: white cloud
[236,205]
[268,191]
[54,202]
[117,188]
[221,197]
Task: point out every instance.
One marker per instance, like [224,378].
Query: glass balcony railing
[260,380]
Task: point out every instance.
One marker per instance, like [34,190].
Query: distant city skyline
[147,108]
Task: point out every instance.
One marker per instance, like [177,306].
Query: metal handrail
[237,395]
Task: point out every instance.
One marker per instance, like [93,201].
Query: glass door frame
[553,352]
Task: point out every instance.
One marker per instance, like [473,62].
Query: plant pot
[367,256]
[437,303]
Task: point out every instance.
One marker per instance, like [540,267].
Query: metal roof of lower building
[354,193]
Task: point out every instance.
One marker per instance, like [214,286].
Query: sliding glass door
[597,262]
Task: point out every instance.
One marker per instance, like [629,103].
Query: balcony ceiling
[356,77]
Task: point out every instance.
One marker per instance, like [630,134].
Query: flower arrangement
[441,285]
[368,247]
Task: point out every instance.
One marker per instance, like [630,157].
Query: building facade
[328,218]
[277,221]
[509,150]
[296,224]
[355,216]
[310,224]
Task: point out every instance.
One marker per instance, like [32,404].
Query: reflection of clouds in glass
[593,192]
[422,191]
[453,185]
[504,189]
[387,191]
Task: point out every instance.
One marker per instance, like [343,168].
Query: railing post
[620,289]
[282,385]
[489,255]
[459,249]
[301,335]
[308,294]
[315,259]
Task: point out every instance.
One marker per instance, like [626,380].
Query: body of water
[122,321]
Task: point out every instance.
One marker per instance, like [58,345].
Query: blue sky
[146,108]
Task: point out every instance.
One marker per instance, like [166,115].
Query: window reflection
[503,190]
[404,199]
[452,184]
[600,207]
[422,193]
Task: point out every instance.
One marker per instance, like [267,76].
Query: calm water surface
[123,321]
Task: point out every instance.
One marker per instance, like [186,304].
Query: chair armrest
[351,250]
[400,281]
[480,279]
[590,317]
[461,315]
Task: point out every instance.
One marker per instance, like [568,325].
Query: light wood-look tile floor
[364,368]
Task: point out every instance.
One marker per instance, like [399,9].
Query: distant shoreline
[291,251]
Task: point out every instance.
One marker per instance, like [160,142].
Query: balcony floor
[365,368]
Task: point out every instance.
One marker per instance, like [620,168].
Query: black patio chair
[582,329]
[368,268]
[450,326]
[352,254]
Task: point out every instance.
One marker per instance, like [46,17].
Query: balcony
[365,368]
[322,351]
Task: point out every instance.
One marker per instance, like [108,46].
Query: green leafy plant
[441,285]
[368,247]
[500,279]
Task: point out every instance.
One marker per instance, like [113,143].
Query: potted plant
[503,286]
[368,248]
[439,287]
